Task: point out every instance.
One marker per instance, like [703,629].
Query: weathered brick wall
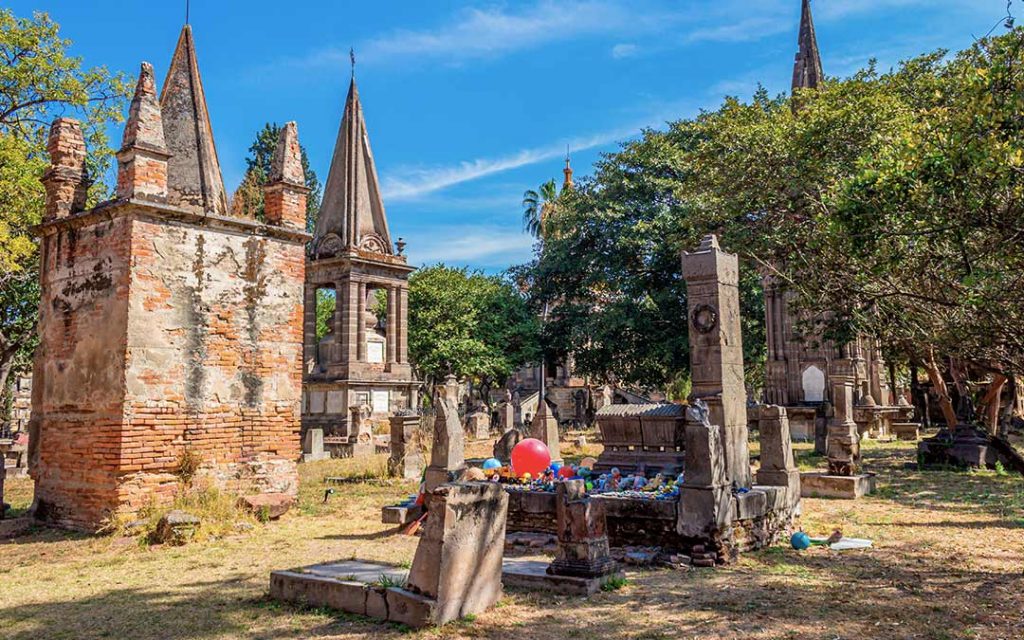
[79,378]
[162,335]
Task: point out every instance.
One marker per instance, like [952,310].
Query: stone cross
[716,349]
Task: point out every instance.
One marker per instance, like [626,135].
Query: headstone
[777,465]
[582,534]
[458,560]
[705,499]
[716,349]
[447,454]
[313,446]
[517,409]
[362,431]
[545,429]
[508,413]
[406,459]
[843,444]
[478,424]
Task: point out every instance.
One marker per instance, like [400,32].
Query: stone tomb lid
[661,410]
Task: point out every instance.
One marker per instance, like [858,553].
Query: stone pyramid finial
[287,163]
[66,182]
[807,73]
[193,172]
[709,242]
[145,124]
[284,196]
[142,160]
[352,212]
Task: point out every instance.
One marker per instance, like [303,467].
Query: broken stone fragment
[267,506]
[176,527]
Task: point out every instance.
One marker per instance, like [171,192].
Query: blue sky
[469,104]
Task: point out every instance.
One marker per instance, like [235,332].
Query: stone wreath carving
[372,243]
[329,246]
[705,318]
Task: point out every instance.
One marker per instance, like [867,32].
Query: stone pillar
[458,559]
[284,195]
[447,454]
[545,429]
[508,416]
[360,431]
[360,311]
[777,465]
[392,331]
[705,499]
[716,349]
[309,344]
[406,459]
[582,534]
[313,446]
[843,441]
[65,181]
[142,160]
[403,324]
[345,330]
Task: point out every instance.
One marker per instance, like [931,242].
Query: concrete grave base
[822,485]
[906,431]
[523,573]
[350,586]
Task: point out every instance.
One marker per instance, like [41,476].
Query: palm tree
[537,207]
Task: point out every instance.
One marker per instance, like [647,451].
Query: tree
[474,326]
[38,82]
[538,207]
[248,198]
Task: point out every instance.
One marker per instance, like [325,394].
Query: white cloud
[413,182]
[624,50]
[481,246]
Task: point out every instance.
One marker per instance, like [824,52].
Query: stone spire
[567,182]
[193,173]
[807,72]
[352,212]
[285,193]
[142,160]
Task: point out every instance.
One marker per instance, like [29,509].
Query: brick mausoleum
[169,330]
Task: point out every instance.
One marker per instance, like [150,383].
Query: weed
[385,581]
[613,583]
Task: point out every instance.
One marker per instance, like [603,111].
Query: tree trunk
[892,400]
[939,384]
[990,403]
[5,395]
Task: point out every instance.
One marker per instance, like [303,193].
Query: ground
[948,562]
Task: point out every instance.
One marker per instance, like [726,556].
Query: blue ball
[800,541]
[555,466]
[492,463]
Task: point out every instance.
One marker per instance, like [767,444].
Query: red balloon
[530,456]
[567,472]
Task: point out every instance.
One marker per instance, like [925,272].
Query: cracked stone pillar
[406,459]
[65,181]
[705,499]
[582,534]
[545,428]
[777,465]
[447,455]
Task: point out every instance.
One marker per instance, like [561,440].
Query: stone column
[344,327]
[777,465]
[403,324]
[843,440]
[309,328]
[582,534]
[361,322]
[392,332]
[716,349]
[361,431]
[705,499]
[65,181]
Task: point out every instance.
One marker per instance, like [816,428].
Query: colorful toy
[800,541]
[566,472]
[530,456]
[588,463]
[491,464]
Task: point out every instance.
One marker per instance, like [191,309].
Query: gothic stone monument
[167,326]
[363,359]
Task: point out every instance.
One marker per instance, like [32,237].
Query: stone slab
[822,485]
[400,514]
[522,573]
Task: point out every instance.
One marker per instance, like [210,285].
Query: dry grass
[948,563]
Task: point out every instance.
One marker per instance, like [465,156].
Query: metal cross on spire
[352,57]
[187,3]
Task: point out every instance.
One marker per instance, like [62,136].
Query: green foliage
[538,208]
[614,583]
[326,302]
[248,199]
[468,324]
[38,82]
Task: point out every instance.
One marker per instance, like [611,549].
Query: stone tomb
[456,571]
[641,436]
